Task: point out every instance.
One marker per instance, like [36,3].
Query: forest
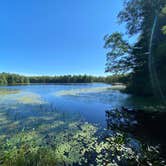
[12,79]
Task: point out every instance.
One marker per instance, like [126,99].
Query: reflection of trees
[41,135]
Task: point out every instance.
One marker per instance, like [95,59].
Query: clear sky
[56,37]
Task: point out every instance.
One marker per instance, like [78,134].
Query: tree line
[11,79]
[7,78]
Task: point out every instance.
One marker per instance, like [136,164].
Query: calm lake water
[89,101]
[91,105]
[63,117]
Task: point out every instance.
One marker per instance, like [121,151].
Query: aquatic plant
[29,98]
[4,91]
[41,135]
[75,92]
[79,145]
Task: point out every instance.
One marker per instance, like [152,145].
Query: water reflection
[62,130]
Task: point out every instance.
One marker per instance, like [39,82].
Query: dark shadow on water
[149,127]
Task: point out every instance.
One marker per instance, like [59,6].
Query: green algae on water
[8,91]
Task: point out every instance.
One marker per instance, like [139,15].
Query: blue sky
[56,37]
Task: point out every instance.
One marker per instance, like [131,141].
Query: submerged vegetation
[34,133]
[8,91]
[81,91]
[39,134]
[83,148]
[29,98]
[75,92]
[19,97]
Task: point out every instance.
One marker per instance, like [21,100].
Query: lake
[70,98]
[67,119]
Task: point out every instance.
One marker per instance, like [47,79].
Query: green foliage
[164,30]
[7,78]
[66,79]
[117,60]
[164,10]
[3,79]
[138,15]
[121,78]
